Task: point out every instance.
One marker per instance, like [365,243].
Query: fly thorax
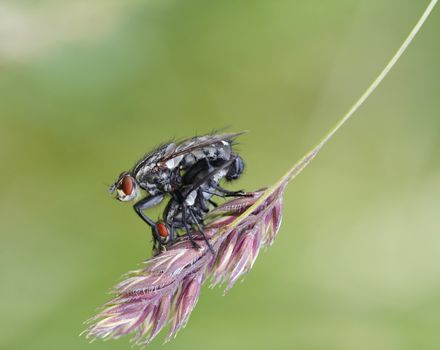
[159,178]
[173,163]
[152,188]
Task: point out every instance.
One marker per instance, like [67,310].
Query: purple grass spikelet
[166,289]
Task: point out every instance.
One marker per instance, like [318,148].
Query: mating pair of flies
[189,173]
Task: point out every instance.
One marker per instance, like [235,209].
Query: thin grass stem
[310,155]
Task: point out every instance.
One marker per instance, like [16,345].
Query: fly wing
[170,155]
[196,143]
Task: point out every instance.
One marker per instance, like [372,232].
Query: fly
[189,172]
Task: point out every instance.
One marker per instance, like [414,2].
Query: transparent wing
[198,142]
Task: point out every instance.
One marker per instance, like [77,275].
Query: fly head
[125,188]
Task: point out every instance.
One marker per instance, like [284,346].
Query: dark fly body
[188,206]
[189,172]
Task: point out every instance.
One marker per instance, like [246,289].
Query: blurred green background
[86,87]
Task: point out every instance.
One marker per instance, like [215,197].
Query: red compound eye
[127,185]
[162,229]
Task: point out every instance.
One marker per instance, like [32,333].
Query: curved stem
[301,164]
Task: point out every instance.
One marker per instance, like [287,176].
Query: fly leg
[202,201]
[156,245]
[214,204]
[144,204]
[187,227]
[223,193]
[227,193]
[191,212]
[173,236]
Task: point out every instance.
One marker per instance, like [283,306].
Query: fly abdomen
[214,152]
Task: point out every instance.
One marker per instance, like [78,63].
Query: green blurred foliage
[86,87]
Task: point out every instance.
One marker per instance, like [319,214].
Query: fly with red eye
[189,174]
